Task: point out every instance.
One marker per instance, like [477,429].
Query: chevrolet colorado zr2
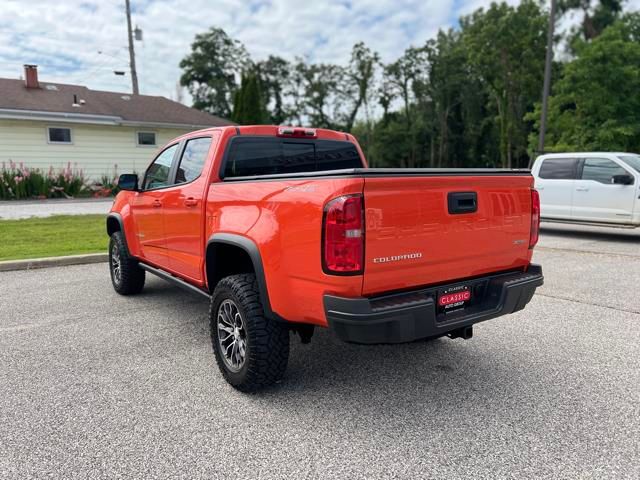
[287,229]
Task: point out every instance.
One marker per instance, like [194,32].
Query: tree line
[470,97]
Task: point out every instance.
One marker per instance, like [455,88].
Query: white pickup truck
[589,188]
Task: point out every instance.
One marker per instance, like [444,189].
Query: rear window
[250,156]
[559,169]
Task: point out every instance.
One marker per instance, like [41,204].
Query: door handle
[582,189]
[191,202]
[157,203]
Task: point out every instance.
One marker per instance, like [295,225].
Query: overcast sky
[83,41]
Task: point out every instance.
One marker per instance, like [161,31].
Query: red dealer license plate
[454,298]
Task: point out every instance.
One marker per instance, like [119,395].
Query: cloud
[84,41]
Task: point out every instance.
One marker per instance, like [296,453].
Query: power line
[92,72]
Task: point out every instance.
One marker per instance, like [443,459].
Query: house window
[146,138]
[58,135]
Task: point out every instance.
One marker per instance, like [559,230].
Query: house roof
[56,99]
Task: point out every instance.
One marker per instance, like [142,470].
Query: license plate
[454,298]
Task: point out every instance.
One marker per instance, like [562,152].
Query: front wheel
[251,351]
[126,275]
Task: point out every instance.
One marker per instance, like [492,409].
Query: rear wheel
[251,351]
[126,275]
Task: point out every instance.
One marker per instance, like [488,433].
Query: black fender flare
[252,250]
[118,218]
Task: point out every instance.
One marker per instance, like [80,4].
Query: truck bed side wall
[284,220]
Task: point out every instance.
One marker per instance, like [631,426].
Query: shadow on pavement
[437,375]
[441,374]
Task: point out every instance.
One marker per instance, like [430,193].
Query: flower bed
[18,182]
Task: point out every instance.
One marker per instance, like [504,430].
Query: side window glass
[193,159]
[558,169]
[157,175]
[601,170]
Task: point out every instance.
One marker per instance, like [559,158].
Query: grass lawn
[52,236]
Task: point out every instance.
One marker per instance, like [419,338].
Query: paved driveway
[93,385]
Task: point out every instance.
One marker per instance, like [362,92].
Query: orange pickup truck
[286,229]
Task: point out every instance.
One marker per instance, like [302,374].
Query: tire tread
[268,341]
[132,276]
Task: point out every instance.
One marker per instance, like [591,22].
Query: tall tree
[596,105]
[401,75]
[358,82]
[321,94]
[596,16]
[211,72]
[386,96]
[295,92]
[275,73]
[448,74]
[464,99]
[506,47]
[248,108]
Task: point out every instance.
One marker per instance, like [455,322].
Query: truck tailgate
[423,230]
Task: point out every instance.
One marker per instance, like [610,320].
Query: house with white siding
[47,125]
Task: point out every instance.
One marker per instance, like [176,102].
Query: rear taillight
[535,218]
[343,236]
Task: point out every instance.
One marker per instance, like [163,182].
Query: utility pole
[547,77]
[132,54]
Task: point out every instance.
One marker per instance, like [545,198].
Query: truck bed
[391,172]
[413,239]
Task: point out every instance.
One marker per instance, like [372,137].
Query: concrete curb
[33,263]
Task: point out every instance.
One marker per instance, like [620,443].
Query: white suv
[600,188]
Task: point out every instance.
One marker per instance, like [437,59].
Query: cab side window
[559,169]
[157,175]
[193,158]
[601,170]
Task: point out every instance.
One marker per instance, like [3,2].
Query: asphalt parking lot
[93,385]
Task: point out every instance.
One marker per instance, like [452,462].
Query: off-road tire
[267,341]
[131,278]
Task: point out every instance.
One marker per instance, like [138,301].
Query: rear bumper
[413,315]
